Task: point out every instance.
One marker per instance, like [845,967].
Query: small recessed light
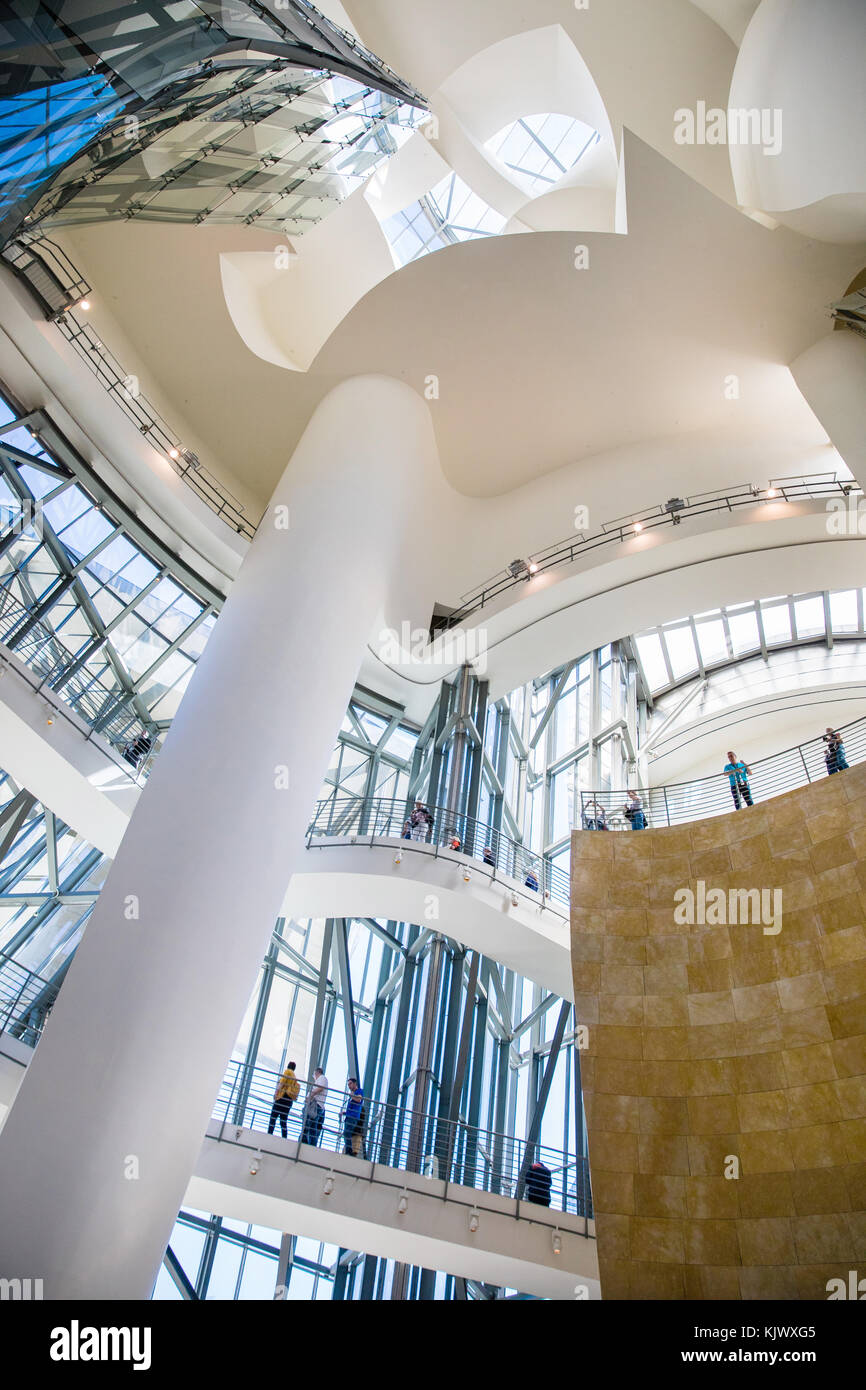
[638,527]
[174,453]
[84,304]
[772,492]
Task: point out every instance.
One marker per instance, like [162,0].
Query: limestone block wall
[719,1047]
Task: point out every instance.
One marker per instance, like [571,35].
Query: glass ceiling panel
[538,151]
[844,611]
[649,649]
[846,617]
[681,651]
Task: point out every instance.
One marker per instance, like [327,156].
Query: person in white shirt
[314,1108]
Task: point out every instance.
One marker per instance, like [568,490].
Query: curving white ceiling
[534,370]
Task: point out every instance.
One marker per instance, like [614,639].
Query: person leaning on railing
[634,812]
[314,1108]
[834,756]
[738,774]
[594,816]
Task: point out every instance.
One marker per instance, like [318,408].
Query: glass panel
[711,637]
[777,622]
[744,632]
[650,653]
[843,611]
[681,650]
[809,617]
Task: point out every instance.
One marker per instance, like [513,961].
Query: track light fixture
[638,527]
[329,1186]
[473,1221]
[466,874]
[403,1204]
[557,1243]
[254,1164]
[398,857]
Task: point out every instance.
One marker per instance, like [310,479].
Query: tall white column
[100,1143]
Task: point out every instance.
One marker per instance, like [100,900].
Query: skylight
[449,213]
[538,150]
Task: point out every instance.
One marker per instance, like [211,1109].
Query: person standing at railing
[835,754]
[314,1108]
[531,881]
[288,1089]
[353,1119]
[487,857]
[420,821]
[738,774]
[538,1184]
[634,812]
[594,816]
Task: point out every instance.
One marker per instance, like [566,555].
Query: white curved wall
[805,60]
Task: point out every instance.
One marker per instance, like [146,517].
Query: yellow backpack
[292,1087]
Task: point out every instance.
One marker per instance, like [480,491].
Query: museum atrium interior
[420,424]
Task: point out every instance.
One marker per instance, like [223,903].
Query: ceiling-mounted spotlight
[254,1164]
[557,1243]
[518,569]
[466,874]
[674,506]
[473,1222]
[174,453]
[772,492]
[329,1186]
[403,1204]
[398,857]
[83,304]
[514,901]
[638,527]
[533,568]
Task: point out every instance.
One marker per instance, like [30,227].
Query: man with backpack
[288,1089]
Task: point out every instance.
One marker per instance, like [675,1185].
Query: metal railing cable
[810,487]
[465,836]
[44,652]
[681,802]
[26,1000]
[398,1137]
[60,287]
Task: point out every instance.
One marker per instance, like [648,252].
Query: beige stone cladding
[725,1071]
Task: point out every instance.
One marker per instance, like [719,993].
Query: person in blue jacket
[738,774]
[353,1119]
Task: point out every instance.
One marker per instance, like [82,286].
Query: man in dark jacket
[539,1181]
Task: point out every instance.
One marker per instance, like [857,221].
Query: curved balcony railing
[681,802]
[386,818]
[58,669]
[397,1137]
[810,487]
[26,1000]
[59,287]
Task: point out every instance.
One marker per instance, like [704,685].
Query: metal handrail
[399,1137]
[43,651]
[47,270]
[122,388]
[388,818]
[26,1000]
[705,797]
[809,487]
